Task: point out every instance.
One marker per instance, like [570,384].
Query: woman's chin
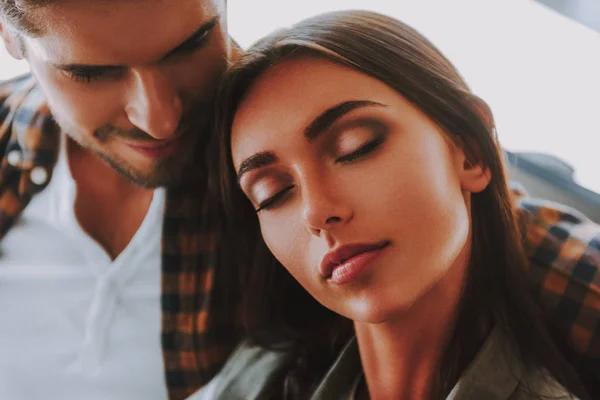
[375,310]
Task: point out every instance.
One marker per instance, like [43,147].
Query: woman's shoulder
[540,385]
[248,373]
[498,373]
[251,371]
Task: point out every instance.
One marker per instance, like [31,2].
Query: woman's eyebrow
[327,118]
[256,161]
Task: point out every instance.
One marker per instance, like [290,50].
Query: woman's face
[359,194]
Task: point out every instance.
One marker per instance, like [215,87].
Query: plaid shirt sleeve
[563,247]
[200,321]
[29,136]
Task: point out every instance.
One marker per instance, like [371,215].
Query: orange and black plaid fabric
[198,334]
[563,247]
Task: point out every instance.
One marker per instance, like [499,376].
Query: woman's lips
[345,263]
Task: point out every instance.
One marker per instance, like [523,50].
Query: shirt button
[39,176]
[14,158]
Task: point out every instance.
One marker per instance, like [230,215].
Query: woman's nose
[323,208]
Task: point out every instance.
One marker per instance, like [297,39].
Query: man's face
[133,81]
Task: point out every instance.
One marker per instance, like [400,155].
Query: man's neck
[109,207]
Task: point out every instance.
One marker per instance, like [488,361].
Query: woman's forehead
[289,95]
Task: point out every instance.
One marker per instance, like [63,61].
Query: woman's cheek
[279,237]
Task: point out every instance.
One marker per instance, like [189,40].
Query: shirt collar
[494,374]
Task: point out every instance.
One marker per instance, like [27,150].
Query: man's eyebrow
[327,118]
[256,161]
[81,69]
[194,37]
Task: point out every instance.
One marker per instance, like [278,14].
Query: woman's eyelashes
[357,138]
[272,201]
[362,151]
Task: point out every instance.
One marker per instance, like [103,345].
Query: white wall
[10,67]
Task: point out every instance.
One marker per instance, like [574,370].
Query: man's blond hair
[21,15]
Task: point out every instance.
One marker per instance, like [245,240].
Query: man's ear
[11,40]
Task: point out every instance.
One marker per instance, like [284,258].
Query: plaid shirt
[197,331]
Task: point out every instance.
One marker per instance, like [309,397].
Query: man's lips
[345,254]
[163,148]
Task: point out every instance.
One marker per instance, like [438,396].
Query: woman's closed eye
[361,151]
[357,138]
[273,201]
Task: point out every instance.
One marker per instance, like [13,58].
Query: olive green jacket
[496,373]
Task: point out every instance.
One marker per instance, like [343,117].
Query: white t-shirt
[74,324]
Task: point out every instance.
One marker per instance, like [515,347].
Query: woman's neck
[400,356]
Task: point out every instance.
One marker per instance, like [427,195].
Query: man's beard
[186,165]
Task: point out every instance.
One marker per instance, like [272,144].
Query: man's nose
[154,105]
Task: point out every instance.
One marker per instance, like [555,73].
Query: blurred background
[537,64]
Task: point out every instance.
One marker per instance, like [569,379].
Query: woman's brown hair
[279,313]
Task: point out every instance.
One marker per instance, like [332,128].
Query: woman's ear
[474,178]
[11,40]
